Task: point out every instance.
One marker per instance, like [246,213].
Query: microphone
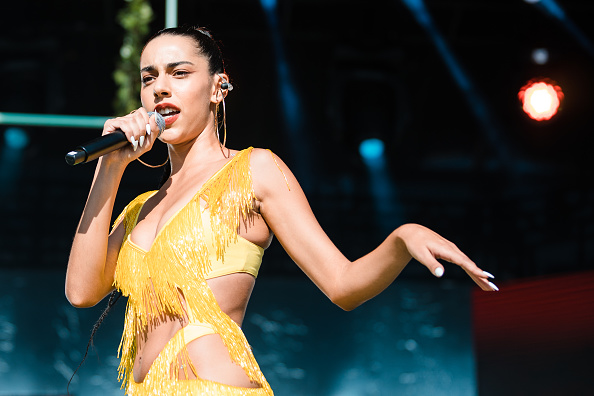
[102,145]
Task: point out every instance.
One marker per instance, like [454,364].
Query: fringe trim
[167,365]
[175,268]
[229,199]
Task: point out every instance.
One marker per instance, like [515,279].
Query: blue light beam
[289,99]
[554,10]
[383,190]
[474,99]
[11,157]
[287,92]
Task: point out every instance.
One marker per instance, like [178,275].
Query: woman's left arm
[347,283]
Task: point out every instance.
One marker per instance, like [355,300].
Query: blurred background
[388,112]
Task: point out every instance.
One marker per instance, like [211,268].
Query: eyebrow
[169,66]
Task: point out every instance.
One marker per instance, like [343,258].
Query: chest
[155,216]
[165,205]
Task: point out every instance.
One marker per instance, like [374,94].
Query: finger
[483,281]
[133,126]
[438,271]
[429,261]
[152,125]
[148,130]
[487,285]
[481,278]
[124,124]
[454,255]
[451,253]
[111,126]
[141,119]
[489,275]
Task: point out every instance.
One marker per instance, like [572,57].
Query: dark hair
[113,298]
[205,44]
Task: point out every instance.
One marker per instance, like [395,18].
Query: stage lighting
[268,5]
[540,56]
[16,138]
[540,99]
[371,149]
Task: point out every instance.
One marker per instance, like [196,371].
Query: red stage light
[540,99]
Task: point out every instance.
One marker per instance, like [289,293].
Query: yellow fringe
[177,262]
[159,383]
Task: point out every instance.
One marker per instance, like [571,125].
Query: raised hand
[141,131]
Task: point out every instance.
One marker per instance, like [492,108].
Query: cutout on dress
[205,357]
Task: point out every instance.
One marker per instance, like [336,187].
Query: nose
[161,88]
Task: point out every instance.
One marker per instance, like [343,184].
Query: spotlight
[16,138]
[540,56]
[541,99]
[371,149]
[268,5]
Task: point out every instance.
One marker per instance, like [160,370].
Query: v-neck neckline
[174,216]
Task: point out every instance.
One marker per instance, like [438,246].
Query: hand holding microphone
[107,143]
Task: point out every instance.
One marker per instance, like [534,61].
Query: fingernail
[134,143]
[439,272]
[493,286]
[488,275]
[140,141]
[148,129]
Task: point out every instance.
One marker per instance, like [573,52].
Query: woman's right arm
[94,252]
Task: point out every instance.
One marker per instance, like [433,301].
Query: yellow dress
[197,243]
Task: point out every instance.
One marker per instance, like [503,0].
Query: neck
[203,149]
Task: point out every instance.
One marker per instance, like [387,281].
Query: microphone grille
[159,120]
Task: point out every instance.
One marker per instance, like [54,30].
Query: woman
[188,254]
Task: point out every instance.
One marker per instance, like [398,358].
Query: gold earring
[217,128]
[216,120]
[224,120]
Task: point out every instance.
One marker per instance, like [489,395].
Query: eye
[146,79]
[181,73]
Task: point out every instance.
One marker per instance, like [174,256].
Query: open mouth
[169,114]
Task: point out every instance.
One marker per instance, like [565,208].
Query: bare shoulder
[263,161]
[262,157]
[269,172]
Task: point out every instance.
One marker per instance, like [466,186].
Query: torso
[232,292]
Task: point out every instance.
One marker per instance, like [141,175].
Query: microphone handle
[96,148]
[105,144]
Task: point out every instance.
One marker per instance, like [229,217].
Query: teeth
[167,110]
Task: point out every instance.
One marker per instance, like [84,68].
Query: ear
[218,93]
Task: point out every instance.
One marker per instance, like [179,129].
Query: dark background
[515,194]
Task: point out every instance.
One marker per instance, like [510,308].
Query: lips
[170,119]
[169,112]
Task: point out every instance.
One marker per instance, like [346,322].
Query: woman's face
[176,82]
